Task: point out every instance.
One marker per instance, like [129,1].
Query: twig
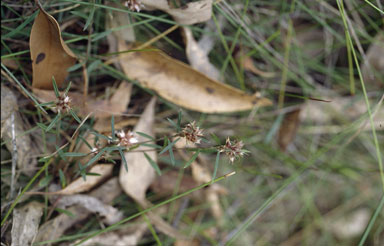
[14,154]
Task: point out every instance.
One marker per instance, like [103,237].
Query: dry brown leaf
[50,56]
[10,63]
[56,227]
[247,63]
[80,185]
[288,128]
[197,56]
[84,106]
[202,175]
[188,242]
[25,223]
[165,184]
[109,214]
[191,13]
[117,19]
[128,237]
[184,86]
[23,143]
[140,173]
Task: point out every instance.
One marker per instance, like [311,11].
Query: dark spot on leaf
[210,90]
[203,6]
[40,57]
[254,102]
[184,7]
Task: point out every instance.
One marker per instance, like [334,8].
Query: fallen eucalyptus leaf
[80,185]
[198,57]
[109,214]
[24,147]
[56,227]
[140,173]
[188,14]
[50,56]
[128,236]
[184,86]
[25,223]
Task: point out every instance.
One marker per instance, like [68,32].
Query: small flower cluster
[126,139]
[192,133]
[63,103]
[134,5]
[233,149]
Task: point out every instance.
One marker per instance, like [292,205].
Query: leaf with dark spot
[40,57]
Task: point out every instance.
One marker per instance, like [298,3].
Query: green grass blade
[376,214]
[153,163]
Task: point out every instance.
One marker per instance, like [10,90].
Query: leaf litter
[56,227]
[184,86]
[215,96]
[141,174]
[50,56]
[25,223]
[12,123]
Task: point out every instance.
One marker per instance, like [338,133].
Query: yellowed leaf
[184,86]
[50,56]
[188,14]
[140,173]
[80,185]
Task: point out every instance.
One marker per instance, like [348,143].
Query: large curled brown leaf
[50,56]
[184,86]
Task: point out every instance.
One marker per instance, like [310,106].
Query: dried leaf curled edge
[50,56]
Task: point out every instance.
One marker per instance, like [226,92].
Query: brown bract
[50,55]
[184,86]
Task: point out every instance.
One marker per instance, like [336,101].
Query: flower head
[193,133]
[63,103]
[134,5]
[126,139]
[233,149]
